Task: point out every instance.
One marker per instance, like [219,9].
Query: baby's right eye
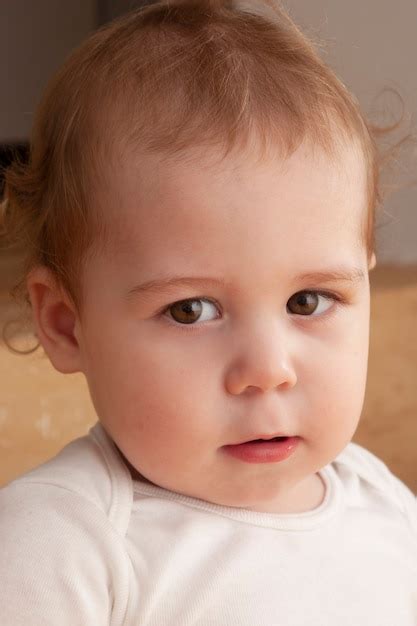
[190,311]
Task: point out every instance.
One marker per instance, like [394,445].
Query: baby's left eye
[308,302]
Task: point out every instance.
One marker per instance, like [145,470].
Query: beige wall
[373,44]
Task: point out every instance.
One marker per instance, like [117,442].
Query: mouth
[271,450]
[265,439]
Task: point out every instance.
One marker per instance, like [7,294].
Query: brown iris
[186,311]
[303,303]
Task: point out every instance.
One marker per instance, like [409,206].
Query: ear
[372,262]
[55,320]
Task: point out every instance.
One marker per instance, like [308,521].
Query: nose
[263,363]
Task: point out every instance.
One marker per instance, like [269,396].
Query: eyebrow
[348,275]
[345,275]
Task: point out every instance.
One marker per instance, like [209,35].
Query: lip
[265,437]
[265,452]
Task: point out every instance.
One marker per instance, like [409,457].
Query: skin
[172,395]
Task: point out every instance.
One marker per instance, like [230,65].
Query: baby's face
[276,343]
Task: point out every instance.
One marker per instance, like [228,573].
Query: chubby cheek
[337,385]
[167,429]
[155,406]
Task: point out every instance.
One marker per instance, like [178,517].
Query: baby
[198,220]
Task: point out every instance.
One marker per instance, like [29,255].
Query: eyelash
[338,300]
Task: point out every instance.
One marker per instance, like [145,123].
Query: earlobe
[372,262]
[55,319]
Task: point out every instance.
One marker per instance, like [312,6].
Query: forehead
[159,207]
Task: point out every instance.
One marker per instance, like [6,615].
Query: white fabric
[81,544]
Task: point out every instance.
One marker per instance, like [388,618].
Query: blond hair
[163,78]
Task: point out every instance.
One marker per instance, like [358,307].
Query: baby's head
[198,215]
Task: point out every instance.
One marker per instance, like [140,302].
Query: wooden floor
[41,410]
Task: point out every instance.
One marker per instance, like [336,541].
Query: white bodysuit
[83,544]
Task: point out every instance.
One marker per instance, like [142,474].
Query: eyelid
[202,298]
[326,294]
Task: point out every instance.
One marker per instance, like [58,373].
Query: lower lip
[265,452]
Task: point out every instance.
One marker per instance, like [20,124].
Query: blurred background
[372,46]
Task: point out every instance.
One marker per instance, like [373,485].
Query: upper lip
[266,437]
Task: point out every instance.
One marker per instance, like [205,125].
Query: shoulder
[362,471]
[86,474]
[62,548]
[60,558]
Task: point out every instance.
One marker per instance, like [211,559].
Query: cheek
[154,395]
[337,381]
[165,423]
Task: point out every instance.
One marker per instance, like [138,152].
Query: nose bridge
[262,357]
